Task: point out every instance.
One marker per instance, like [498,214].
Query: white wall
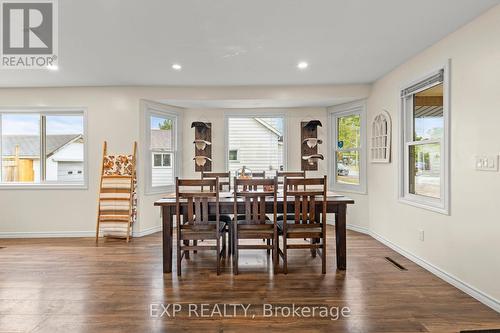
[465,244]
[113,115]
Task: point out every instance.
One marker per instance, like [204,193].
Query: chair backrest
[197,198]
[282,174]
[255,199]
[224,179]
[304,199]
[258,174]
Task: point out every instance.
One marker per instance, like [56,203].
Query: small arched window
[380,150]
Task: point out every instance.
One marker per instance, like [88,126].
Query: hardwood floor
[69,285]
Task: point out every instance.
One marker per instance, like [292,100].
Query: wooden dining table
[336,204]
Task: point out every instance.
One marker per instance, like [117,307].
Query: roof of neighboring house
[270,126]
[29,145]
[161,139]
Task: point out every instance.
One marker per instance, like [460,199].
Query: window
[160,124]
[348,147]
[42,148]
[255,141]
[424,142]
[233,155]
[162,160]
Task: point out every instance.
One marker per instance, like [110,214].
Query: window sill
[423,205]
[43,187]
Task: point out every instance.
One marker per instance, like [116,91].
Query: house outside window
[42,147]
[256,141]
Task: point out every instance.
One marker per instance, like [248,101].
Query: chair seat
[292,227]
[202,228]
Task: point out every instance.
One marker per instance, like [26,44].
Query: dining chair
[255,224]
[306,224]
[197,225]
[224,186]
[258,174]
[281,177]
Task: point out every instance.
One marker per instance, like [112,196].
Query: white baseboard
[70,234]
[454,281]
[47,234]
[352,227]
[146,232]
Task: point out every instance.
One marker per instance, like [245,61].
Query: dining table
[335,204]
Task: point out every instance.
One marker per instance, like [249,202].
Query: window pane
[20,148]
[349,134]
[348,167]
[64,148]
[428,121]
[233,155]
[161,132]
[258,142]
[157,160]
[425,170]
[162,175]
[166,160]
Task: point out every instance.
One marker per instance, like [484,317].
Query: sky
[29,124]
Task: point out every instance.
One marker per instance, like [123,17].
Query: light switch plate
[487,163]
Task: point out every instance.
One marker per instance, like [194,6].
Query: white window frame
[441,205]
[161,166]
[49,111]
[237,155]
[148,109]
[334,113]
[255,114]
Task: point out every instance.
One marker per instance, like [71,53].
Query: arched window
[380,150]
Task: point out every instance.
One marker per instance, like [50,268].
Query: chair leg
[285,256]
[195,242]
[323,255]
[218,255]
[230,239]
[179,257]
[224,249]
[186,242]
[235,250]
[268,243]
[275,255]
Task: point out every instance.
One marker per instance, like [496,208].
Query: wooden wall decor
[380,150]
[310,142]
[202,146]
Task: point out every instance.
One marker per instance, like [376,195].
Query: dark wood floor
[69,285]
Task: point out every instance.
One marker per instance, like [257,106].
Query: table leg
[340,237]
[167,239]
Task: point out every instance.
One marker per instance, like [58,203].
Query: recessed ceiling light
[302,65]
[52,67]
[176,67]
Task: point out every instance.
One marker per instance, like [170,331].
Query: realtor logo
[29,34]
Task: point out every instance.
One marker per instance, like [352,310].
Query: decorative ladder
[117,203]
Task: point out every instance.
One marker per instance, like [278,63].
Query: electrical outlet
[487,163]
[421,235]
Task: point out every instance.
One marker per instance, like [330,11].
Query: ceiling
[237,42]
